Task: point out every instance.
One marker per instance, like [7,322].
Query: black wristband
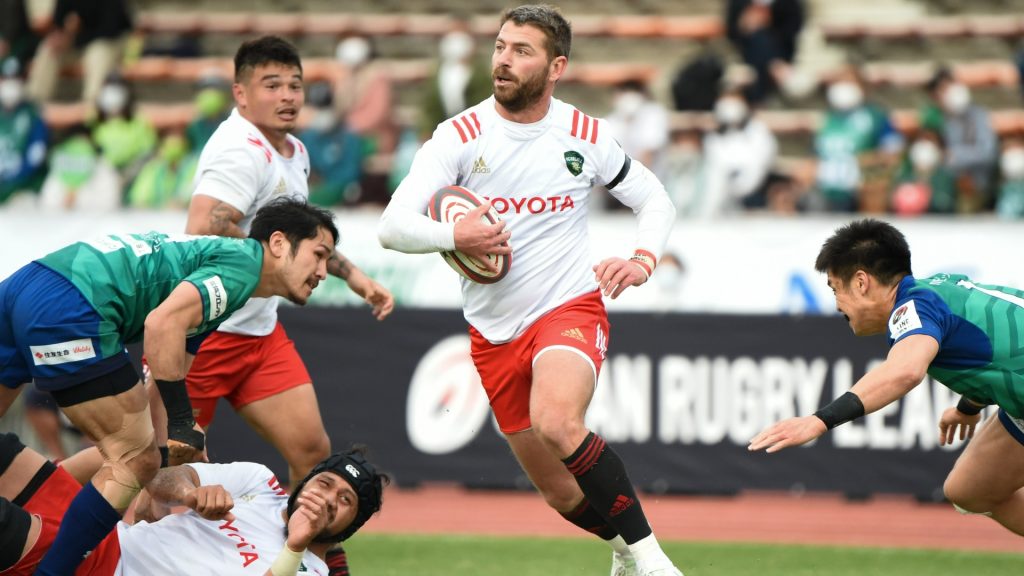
[841,410]
[967,407]
[186,434]
[176,402]
[164,456]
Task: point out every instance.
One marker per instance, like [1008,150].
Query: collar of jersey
[517,131]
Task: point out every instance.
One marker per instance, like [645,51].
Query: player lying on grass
[238,519]
[65,320]
[968,336]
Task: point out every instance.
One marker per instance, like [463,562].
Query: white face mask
[1012,163]
[629,103]
[956,98]
[456,46]
[730,111]
[12,92]
[353,51]
[845,96]
[925,155]
[112,99]
[322,120]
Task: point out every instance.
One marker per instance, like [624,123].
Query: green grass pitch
[423,555]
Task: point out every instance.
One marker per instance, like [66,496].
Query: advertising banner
[679,398]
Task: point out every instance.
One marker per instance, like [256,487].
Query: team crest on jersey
[574,162]
[282,187]
[903,320]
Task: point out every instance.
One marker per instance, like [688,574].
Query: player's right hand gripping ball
[450,204]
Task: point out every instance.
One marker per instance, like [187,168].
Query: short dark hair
[548,20]
[297,219]
[263,51]
[876,247]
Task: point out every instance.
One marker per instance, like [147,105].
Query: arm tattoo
[338,265]
[221,222]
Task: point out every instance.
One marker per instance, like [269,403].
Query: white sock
[618,545]
[649,554]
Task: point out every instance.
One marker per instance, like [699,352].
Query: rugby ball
[451,204]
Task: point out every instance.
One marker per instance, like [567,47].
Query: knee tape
[134,438]
[967,512]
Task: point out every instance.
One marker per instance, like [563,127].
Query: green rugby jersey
[125,276]
[980,331]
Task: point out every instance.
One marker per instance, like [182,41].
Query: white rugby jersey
[538,177]
[187,544]
[240,167]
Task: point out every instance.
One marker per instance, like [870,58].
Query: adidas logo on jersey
[575,334]
[480,167]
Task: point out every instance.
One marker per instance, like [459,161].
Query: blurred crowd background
[783,106]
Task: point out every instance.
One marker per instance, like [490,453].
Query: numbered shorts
[242,369]
[506,370]
[51,334]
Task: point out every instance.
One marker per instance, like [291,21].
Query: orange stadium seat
[1008,26]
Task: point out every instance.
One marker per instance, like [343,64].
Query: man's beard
[523,93]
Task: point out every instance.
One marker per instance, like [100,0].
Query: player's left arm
[166,328]
[904,368]
[372,292]
[637,187]
[181,486]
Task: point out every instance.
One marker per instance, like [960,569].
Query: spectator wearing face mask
[686,175]
[639,124]
[856,147]
[461,79]
[363,95]
[125,139]
[740,153]
[1010,199]
[971,142]
[335,152]
[23,135]
[923,183]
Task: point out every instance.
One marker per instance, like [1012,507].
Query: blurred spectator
[765,32]
[696,85]
[80,178]
[685,175]
[971,142]
[165,180]
[856,148]
[17,38]
[363,95]
[95,30]
[923,183]
[639,124]
[125,138]
[461,80]
[335,152]
[213,105]
[740,154]
[23,135]
[669,279]
[1010,200]
[50,425]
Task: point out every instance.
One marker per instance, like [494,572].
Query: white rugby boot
[623,564]
[668,571]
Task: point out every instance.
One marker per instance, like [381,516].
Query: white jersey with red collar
[187,544]
[239,166]
[538,177]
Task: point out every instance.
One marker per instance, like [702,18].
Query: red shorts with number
[49,504]
[506,370]
[242,369]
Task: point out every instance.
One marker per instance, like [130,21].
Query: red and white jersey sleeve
[187,544]
[538,177]
[240,167]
